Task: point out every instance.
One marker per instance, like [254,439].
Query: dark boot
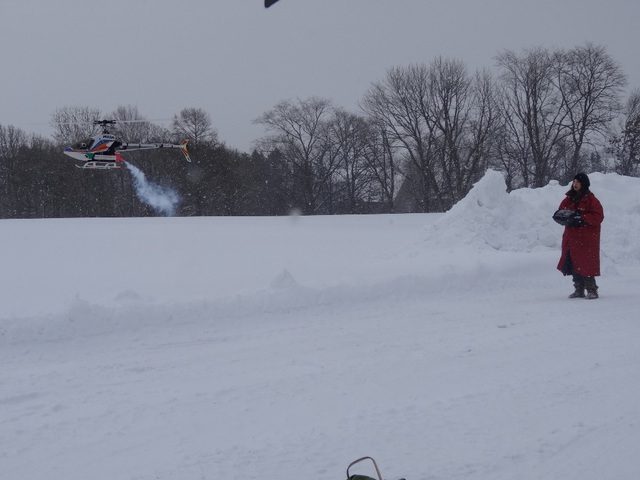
[579,293]
[578,283]
[592,288]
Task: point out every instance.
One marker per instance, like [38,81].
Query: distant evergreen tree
[626,148]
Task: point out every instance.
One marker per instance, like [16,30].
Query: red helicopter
[103,152]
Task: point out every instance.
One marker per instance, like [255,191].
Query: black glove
[575,220]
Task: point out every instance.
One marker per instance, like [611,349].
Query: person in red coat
[581,238]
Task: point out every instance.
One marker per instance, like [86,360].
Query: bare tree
[463,113]
[351,137]
[381,157]
[398,103]
[483,130]
[12,140]
[131,126]
[555,104]
[71,124]
[195,125]
[443,120]
[590,84]
[299,131]
[534,112]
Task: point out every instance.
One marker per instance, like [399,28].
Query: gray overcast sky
[235,60]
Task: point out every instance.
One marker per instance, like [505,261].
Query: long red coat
[583,243]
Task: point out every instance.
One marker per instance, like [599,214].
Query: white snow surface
[443,345]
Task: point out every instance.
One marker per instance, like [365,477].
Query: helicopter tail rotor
[185,152]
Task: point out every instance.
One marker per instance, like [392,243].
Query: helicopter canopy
[83,144]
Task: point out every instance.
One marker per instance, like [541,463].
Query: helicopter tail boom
[149,146]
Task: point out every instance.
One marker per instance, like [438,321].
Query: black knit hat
[583,179]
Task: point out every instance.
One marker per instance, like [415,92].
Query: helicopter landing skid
[96,165]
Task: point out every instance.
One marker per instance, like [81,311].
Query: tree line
[422,136]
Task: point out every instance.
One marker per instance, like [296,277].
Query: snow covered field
[443,345]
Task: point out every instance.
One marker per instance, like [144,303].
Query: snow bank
[132,312]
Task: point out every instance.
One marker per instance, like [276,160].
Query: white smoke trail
[162,199]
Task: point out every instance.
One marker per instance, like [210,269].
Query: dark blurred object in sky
[268,3]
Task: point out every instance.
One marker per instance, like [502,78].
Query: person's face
[577,185]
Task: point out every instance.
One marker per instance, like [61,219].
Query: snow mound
[620,197]
[490,218]
[284,280]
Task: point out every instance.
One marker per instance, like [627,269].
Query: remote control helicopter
[102,152]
